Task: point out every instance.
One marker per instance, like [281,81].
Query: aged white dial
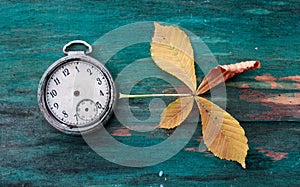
[76,94]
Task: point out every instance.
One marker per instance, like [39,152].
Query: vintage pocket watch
[76,94]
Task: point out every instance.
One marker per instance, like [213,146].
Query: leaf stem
[123,96]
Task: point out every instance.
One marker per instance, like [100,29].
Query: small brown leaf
[222,134]
[220,74]
[176,112]
[172,51]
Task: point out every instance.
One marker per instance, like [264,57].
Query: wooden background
[265,101]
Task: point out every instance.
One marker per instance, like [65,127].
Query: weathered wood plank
[265,101]
[41,155]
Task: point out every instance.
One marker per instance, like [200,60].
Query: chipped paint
[276,156]
[284,99]
[295,78]
[199,79]
[192,149]
[281,105]
[268,79]
[245,86]
[201,149]
[121,132]
[273,81]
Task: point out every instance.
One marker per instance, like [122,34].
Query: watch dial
[77,93]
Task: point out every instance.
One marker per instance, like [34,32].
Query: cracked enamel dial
[76,94]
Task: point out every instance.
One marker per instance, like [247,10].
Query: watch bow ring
[76,94]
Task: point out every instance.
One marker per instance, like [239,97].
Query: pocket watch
[76,94]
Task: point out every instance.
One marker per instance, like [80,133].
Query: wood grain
[32,34]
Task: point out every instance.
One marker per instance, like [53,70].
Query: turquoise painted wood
[265,101]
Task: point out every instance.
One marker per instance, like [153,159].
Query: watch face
[77,94]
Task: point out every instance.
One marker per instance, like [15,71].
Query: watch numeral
[65,114]
[56,80]
[101,93]
[77,69]
[56,105]
[89,71]
[76,117]
[66,72]
[99,105]
[99,81]
[53,93]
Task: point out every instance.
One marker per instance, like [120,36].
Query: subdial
[86,110]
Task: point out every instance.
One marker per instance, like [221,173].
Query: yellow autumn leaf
[222,134]
[172,51]
[176,112]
